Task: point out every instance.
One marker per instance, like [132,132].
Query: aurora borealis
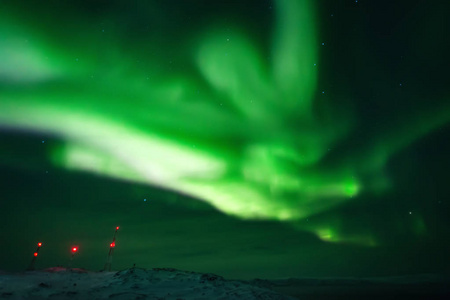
[281,137]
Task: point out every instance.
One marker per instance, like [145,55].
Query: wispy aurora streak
[242,135]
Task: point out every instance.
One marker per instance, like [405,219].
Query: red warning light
[35,254]
[112,245]
[117,228]
[74,249]
[39,244]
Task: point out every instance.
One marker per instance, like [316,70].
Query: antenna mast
[111,251]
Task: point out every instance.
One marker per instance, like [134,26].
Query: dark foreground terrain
[167,283]
[405,287]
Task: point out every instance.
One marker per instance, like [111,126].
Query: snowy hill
[134,283]
[167,283]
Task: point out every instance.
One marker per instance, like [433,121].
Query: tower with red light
[111,251]
[74,250]
[33,260]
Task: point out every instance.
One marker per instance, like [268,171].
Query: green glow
[328,235]
[237,132]
[295,54]
[332,230]
[23,60]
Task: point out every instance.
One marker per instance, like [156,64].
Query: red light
[74,249]
[112,245]
[39,244]
[35,254]
[117,228]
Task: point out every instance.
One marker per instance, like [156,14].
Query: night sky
[244,138]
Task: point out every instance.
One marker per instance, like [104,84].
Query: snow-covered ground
[134,283]
[137,283]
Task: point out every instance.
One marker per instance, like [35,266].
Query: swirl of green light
[244,138]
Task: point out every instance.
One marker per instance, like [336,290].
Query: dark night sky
[268,138]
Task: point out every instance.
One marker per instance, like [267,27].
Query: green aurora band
[244,134]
